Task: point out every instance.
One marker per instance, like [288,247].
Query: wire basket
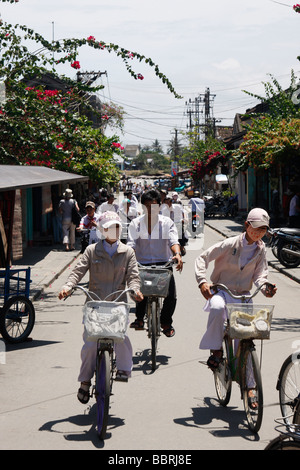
[155,281]
[250,320]
[104,319]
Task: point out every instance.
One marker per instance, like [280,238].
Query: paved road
[173,408]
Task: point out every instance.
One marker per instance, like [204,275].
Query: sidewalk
[230,228]
[46,264]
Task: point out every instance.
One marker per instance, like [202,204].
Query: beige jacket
[227,269]
[106,274]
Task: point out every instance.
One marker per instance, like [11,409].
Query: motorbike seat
[291,231]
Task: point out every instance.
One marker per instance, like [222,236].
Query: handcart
[17,315]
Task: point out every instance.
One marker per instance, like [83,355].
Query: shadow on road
[234,420]
[82,421]
[142,361]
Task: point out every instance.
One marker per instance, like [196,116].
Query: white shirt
[105,206]
[154,247]
[175,212]
[247,251]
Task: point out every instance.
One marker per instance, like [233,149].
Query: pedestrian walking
[66,206]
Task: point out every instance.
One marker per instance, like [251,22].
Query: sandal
[252,399]
[168,331]
[214,360]
[137,324]
[83,393]
[122,376]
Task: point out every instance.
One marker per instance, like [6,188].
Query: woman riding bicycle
[239,262]
[111,266]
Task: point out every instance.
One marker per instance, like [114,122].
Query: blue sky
[225,46]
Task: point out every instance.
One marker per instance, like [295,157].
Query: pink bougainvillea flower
[91,38]
[75,64]
[297,8]
[140,76]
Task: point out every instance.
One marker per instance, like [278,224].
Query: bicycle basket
[103,319]
[155,281]
[250,320]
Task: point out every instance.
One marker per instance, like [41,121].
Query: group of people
[239,262]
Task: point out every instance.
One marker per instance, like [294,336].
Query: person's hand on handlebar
[64,293]
[138,296]
[205,290]
[270,290]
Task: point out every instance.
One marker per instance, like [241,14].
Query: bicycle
[246,322]
[288,386]
[155,280]
[289,438]
[105,322]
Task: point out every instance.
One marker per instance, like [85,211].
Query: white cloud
[227,64]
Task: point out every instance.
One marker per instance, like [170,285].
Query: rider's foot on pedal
[252,399]
[137,324]
[122,375]
[83,393]
[168,330]
[214,359]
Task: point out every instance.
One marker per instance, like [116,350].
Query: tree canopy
[42,126]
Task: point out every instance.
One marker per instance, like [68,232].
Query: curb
[40,289]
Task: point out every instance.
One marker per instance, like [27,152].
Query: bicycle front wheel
[102,392]
[17,319]
[288,386]
[283,443]
[222,375]
[251,383]
[152,329]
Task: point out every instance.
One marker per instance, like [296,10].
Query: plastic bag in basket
[105,320]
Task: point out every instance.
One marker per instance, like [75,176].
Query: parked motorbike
[218,205]
[285,244]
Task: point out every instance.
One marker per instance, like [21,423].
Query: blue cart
[17,316]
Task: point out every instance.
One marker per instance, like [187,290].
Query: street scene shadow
[29,344]
[204,416]
[83,421]
[142,361]
[286,324]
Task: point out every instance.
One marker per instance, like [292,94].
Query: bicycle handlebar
[87,293]
[166,265]
[245,297]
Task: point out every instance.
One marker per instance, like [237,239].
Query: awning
[19,177]
[221,179]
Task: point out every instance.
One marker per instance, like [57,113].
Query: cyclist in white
[240,261]
[154,238]
[111,266]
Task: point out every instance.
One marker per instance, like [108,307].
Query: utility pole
[194,112]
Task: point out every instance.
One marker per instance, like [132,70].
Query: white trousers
[213,337]
[68,232]
[88,358]
[216,306]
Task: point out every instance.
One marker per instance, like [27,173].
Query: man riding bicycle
[154,238]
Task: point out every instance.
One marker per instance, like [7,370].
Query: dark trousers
[168,308]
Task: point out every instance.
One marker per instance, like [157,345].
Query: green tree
[45,127]
[273,137]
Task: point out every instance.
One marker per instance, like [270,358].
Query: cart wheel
[17,319]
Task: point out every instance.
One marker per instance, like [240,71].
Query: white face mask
[112,232]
